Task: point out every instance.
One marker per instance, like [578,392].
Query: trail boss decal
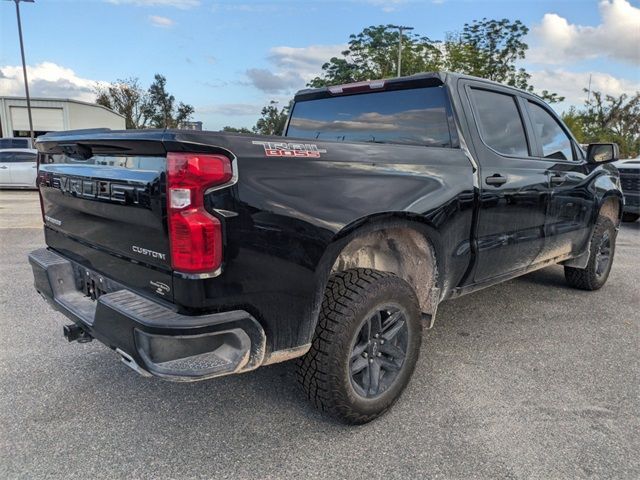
[284,149]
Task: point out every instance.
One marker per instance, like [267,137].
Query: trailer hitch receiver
[75,333]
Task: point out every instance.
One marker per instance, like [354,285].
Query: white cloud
[46,79]
[270,82]
[307,61]
[231,109]
[162,22]
[556,40]
[386,5]
[293,67]
[181,4]
[245,7]
[571,84]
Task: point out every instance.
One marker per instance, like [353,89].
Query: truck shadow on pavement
[499,363]
[270,394]
[552,277]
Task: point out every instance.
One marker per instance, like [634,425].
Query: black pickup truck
[200,254]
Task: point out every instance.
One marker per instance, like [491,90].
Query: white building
[54,114]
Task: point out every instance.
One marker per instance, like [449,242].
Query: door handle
[496,180]
[4,167]
[556,178]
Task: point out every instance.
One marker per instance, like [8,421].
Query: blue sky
[229,58]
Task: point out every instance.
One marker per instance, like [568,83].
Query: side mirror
[602,152]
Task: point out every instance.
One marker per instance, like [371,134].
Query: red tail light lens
[195,236]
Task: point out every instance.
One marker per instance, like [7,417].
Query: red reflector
[195,236]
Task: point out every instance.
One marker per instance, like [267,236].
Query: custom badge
[284,149]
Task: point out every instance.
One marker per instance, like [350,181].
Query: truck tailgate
[99,198]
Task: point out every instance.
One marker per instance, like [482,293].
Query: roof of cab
[419,79]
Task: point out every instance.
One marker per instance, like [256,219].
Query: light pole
[400,30]
[24,64]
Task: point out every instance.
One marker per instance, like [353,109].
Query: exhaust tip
[131,363]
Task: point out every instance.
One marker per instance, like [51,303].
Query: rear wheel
[365,346]
[630,217]
[603,243]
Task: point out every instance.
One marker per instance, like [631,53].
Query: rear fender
[610,204]
[339,255]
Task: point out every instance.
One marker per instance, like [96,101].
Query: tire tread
[586,278]
[345,291]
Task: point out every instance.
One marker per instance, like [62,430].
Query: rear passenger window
[500,123]
[555,142]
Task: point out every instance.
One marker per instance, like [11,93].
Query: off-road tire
[588,278]
[325,371]
[630,217]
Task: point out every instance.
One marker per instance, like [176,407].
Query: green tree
[154,107]
[574,120]
[484,48]
[236,129]
[127,98]
[373,53]
[161,106]
[607,118]
[549,97]
[272,120]
[489,49]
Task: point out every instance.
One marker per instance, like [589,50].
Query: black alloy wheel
[365,347]
[379,351]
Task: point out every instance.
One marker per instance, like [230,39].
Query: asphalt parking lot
[528,379]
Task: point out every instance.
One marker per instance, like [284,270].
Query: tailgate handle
[556,179]
[496,180]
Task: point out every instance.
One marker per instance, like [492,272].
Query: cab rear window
[416,116]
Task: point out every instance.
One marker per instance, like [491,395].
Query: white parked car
[18,167]
[15,142]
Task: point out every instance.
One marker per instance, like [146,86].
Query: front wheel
[603,245]
[365,346]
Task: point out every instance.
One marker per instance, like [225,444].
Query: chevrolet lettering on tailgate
[94,189]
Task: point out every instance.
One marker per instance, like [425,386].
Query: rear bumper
[150,337]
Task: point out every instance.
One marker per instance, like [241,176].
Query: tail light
[195,236]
